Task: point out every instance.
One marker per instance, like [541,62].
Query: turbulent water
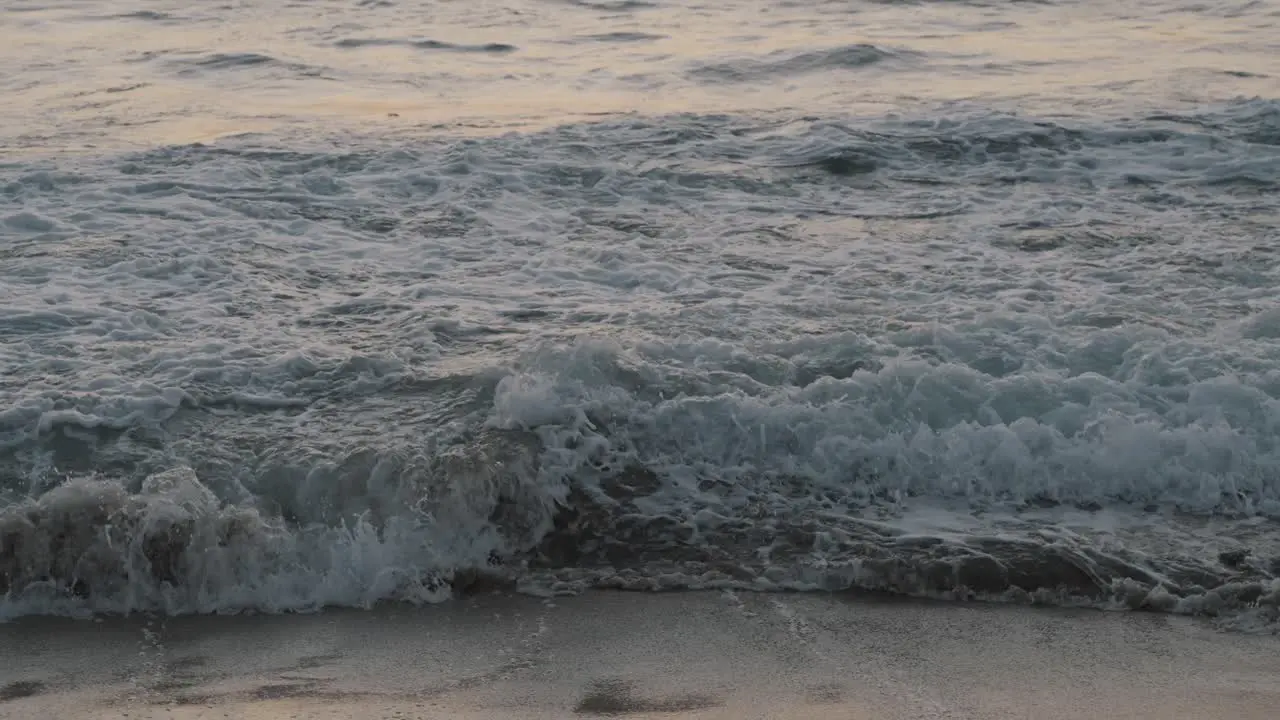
[335,302]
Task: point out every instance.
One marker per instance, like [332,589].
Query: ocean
[337,303]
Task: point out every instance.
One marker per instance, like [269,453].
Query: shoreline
[677,655]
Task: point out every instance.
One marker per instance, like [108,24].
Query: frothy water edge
[485,518]
[170,449]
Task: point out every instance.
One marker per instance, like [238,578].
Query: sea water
[341,301]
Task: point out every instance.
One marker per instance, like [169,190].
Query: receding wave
[226,61]
[425,44]
[619,37]
[613,5]
[793,63]
[221,62]
[151,15]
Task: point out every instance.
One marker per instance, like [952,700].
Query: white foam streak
[927,429]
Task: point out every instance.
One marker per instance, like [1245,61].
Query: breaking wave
[966,356]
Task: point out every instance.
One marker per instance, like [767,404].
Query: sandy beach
[685,655]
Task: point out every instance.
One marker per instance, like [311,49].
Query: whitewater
[335,303]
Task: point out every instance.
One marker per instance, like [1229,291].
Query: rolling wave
[962,355]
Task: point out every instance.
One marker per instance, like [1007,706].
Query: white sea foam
[277,373]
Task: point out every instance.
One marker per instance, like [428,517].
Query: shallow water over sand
[695,655]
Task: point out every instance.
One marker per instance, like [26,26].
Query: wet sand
[687,655]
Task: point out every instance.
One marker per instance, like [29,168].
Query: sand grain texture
[685,655]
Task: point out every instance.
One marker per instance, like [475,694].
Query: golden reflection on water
[84,79]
